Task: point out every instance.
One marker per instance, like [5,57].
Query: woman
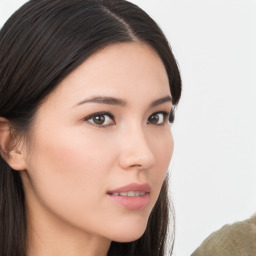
[87,92]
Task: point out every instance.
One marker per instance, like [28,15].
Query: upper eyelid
[103,113]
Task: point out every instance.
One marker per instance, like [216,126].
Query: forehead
[120,70]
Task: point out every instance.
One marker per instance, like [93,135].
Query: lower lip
[131,202]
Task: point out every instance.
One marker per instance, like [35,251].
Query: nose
[136,151]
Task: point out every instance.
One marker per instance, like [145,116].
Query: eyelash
[166,116]
[172,115]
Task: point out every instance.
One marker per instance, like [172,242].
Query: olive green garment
[238,239]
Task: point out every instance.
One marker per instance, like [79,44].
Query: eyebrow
[120,102]
[104,100]
[161,101]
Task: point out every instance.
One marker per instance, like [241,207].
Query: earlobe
[10,149]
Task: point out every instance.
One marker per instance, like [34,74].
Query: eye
[158,118]
[101,119]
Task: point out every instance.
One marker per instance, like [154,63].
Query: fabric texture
[238,239]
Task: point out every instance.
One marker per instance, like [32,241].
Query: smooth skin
[77,152]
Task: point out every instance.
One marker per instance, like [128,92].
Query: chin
[128,235]
[129,238]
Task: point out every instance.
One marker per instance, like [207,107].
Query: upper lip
[132,187]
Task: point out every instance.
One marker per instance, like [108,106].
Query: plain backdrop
[213,170]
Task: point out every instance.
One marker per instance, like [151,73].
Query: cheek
[70,153]
[163,151]
[64,172]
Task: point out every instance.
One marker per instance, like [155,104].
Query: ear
[10,149]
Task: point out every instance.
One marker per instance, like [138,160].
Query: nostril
[136,161]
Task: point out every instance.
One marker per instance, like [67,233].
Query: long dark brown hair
[43,42]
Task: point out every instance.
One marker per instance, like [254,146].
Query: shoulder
[238,238]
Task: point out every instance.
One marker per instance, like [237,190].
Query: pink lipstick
[133,196]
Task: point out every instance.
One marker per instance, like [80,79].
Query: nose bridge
[136,149]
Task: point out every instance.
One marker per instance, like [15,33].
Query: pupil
[99,119]
[154,119]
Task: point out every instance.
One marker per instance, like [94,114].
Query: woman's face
[102,132]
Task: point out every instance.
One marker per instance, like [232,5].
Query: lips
[134,187]
[132,197]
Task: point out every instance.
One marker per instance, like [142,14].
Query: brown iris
[153,119]
[99,120]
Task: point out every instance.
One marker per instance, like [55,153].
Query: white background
[213,171]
